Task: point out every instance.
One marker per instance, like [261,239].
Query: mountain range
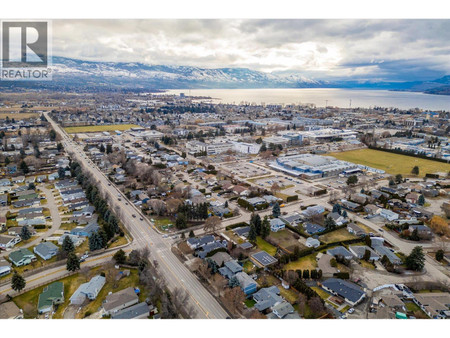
[69,74]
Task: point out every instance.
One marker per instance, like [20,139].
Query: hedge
[228,215]
[237,225]
[291,198]
[402,152]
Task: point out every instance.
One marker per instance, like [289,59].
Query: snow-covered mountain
[137,75]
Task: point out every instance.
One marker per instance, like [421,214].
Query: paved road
[144,235]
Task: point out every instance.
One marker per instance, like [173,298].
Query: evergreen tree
[439,255]
[252,233]
[276,212]
[233,282]
[191,234]
[24,167]
[265,227]
[73,263]
[416,259]
[25,233]
[305,274]
[120,257]
[344,214]
[415,170]
[67,245]
[255,220]
[181,222]
[17,282]
[330,223]
[337,208]
[421,200]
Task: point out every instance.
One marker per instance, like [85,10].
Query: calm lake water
[335,97]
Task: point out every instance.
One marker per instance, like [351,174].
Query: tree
[439,255]
[211,224]
[252,233]
[344,214]
[255,220]
[275,188]
[102,148]
[352,180]
[337,208]
[60,147]
[391,182]
[265,227]
[330,223]
[439,225]
[305,274]
[73,263]
[25,233]
[415,170]
[120,257]
[416,259]
[233,282]
[316,306]
[368,241]
[67,245]
[191,234]
[366,256]
[96,242]
[276,212]
[17,282]
[181,222]
[24,167]
[398,178]
[421,200]
[109,149]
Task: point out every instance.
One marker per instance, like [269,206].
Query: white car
[351,310]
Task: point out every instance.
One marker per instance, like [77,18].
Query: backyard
[285,239]
[304,263]
[263,245]
[337,236]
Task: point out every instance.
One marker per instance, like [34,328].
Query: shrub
[292,198]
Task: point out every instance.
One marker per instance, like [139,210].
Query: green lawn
[392,163]
[304,263]
[321,292]
[163,224]
[249,303]
[412,307]
[263,245]
[93,129]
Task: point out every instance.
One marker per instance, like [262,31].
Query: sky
[365,50]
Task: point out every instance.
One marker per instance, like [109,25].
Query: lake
[318,96]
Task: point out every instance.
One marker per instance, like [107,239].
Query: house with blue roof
[86,231]
[312,228]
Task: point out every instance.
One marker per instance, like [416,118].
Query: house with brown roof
[120,300]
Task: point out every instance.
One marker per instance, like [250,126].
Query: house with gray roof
[46,250]
[220,258]
[340,251]
[120,300]
[263,259]
[247,284]
[265,298]
[8,242]
[230,269]
[292,219]
[5,268]
[312,242]
[196,243]
[277,224]
[312,228]
[359,250]
[89,290]
[350,292]
[138,311]
[242,231]
[283,310]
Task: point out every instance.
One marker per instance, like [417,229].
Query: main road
[176,274]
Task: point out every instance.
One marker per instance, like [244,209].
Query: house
[86,231]
[10,310]
[5,268]
[230,269]
[46,250]
[247,284]
[205,250]
[53,294]
[263,259]
[138,311]
[421,229]
[359,251]
[266,298]
[371,209]
[435,304]
[196,243]
[355,230]
[89,290]
[351,205]
[292,219]
[312,242]
[276,224]
[388,214]
[219,210]
[314,210]
[87,211]
[393,302]
[76,240]
[21,257]
[381,250]
[242,231]
[338,219]
[350,292]
[8,242]
[312,228]
[120,300]
[283,310]
[340,251]
[412,197]
[220,258]
[324,264]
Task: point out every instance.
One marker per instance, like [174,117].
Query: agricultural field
[94,129]
[17,116]
[391,163]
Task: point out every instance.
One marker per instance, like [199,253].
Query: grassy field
[391,163]
[94,129]
[338,235]
[308,262]
[263,245]
[321,292]
[18,116]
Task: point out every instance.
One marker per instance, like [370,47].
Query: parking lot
[244,169]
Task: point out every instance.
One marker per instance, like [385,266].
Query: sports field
[94,129]
[392,163]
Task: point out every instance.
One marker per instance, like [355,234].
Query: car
[109,184]
[134,216]
[351,310]
[141,219]
[119,199]
[165,236]
[126,203]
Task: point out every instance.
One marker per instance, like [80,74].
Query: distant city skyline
[374,50]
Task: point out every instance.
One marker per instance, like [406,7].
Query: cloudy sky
[393,50]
